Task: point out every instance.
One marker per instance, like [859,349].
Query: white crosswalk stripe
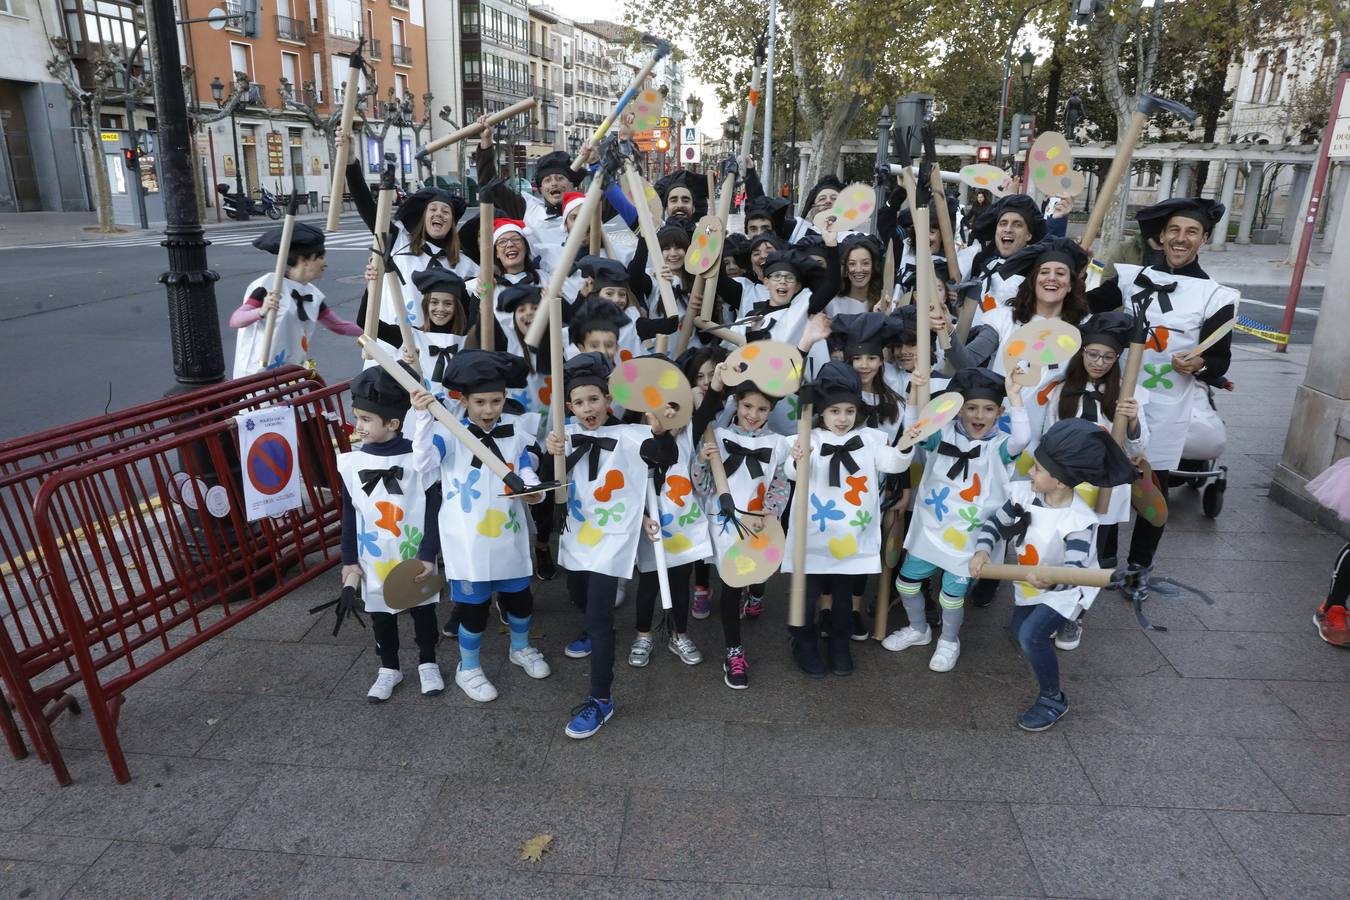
[356,238]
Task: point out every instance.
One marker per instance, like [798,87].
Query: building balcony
[542,135]
[289,29]
[567,62]
[568,89]
[399,4]
[337,31]
[401,54]
[543,51]
[544,95]
[374,49]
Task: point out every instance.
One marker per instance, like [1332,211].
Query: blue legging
[1035,627]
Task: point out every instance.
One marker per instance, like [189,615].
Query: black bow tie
[754,460]
[489,440]
[300,301]
[583,444]
[1153,291]
[1089,404]
[961,468]
[841,455]
[442,355]
[371,477]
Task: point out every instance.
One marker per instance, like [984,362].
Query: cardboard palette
[403,591]
[938,412]
[1044,342]
[853,208]
[1052,166]
[773,366]
[753,559]
[647,110]
[705,248]
[653,385]
[988,178]
[652,199]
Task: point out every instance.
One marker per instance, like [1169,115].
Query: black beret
[987,221]
[595,314]
[587,368]
[410,211]
[556,163]
[678,231]
[508,298]
[481,371]
[1076,451]
[785,261]
[772,208]
[737,246]
[1110,328]
[767,237]
[435,279]
[978,384]
[306,240]
[867,333]
[828,181]
[1153,219]
[376,391]
[836,382]
[603,272]
[1052,249]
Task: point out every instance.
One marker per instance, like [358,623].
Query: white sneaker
[475,684]
[432,682]
[385,682]
[532,661]
[945,656]
[909,636]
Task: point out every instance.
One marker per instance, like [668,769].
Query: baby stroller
[1205,439]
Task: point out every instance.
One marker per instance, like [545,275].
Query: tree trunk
[102,191]
[828,138]
[1051,121]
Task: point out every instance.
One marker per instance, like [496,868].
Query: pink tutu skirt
[1332,488]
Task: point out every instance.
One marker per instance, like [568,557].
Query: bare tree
[327,125]
[106,67]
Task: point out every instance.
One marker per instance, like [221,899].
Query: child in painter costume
[965,478]
[482,536]
[386,497]
[603,523]
[1049,524]
[843,533]
[299,306]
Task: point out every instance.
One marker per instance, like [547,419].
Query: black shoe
[860,632]
[544,567]
[841,655]
[983,592]
[823,624]
[806,652]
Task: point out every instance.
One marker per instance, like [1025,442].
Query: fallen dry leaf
[535,848]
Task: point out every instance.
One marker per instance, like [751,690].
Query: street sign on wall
[1338,147]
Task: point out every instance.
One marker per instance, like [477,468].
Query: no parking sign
[267,451]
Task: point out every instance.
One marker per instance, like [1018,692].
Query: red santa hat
[502,227]
[572,200]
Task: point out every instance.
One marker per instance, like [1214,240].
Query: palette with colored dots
[753,558]
[1052,166]
[853,207]
[647,110]
[652,198]
[402,590]
[1147,498]
[987,177]
[773,366]
[1044,342]
[939,411]
[705,248]
[653,385]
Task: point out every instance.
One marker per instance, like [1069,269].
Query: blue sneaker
[589,716]
[1046,711]
[580,648]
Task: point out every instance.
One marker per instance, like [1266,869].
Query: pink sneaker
[702,607]
[752,607]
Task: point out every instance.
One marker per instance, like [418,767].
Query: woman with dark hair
[980,200]
[861,275]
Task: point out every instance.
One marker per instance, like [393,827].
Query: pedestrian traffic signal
[662,143]
[984,153]
[131,157]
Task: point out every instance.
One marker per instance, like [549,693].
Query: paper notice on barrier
[269,459]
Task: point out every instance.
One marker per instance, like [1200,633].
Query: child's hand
[977,563]
[665,273]
[484,136]
[1129,409]
[421,399]
[350,572]
[409,355]
[1013,389]
[918,379]
[708,452]
[817,329]
[754,523]
[903,503]
[797,452]
[271,303]
[553,444]
[915,434]
[716,382]
[652,529]
[372,270]
[1039,583]
[341,137]
[830,236]
[428,568]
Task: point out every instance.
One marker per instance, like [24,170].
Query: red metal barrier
[141,572]
[36,658]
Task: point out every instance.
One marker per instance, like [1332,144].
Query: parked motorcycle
[242,206]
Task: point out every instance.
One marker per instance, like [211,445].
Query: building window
[1259,76]
[241,58]
[344,18]
[400,85]
[290,69]
[1277,77]
[397,25]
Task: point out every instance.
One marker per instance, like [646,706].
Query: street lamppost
[218,95]
[400,113]
[574,144]
[694,107]
[731,132]
[1028,61]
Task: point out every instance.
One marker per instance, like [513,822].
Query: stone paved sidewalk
[1204,761]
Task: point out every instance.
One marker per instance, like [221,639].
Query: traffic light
[1019,140]
[249,24]
[662,142]
[984,153]
[131,157]
[1083,11]
[911,112]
